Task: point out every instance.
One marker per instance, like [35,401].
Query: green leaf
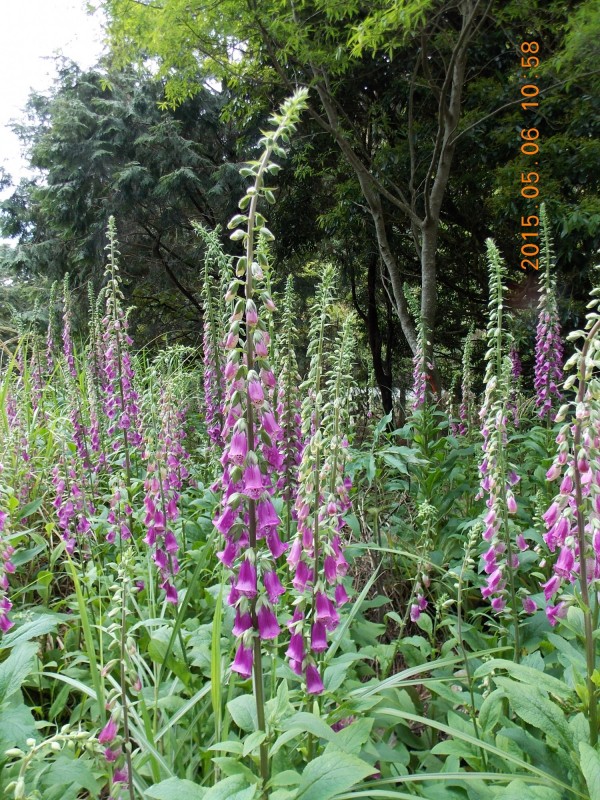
[536,709]
[518,790]
[590,766]
[234,787]
[528,675]
[16,725]
[31,508]
[331,774]
[44,623]
[72,772]
[309,723]
[352,738]
[16,668]
[243,712]
[175,789]
[253,741]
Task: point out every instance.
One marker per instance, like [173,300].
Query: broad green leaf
[16,668]
[41,625]
[331,774]
[243,712]
[233,788]
[520,790]
[528,675]
[72,772]
[590,766]
[253,741]
[352,738]
[309,723]
[175,789]
[536,709]
[16,724]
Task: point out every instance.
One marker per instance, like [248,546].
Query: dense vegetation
[299,488]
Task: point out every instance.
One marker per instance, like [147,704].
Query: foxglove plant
[465,412]
[316,556]
[288,407]
[247,517]
[6,553]
[573,519]
[548,343]
[166,471]
[121,400]
[214,333]
[497,478]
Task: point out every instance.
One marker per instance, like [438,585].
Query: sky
[33,31]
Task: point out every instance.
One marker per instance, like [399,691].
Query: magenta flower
[108,732]
[314,684]
[246,580]
[268,627]
[273,586]
[242,663]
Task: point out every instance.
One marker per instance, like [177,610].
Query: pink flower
[108,732]
[246,581]
[242,663]
[314,684]
[318,639]
[268,627]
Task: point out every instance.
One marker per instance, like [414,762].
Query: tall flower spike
[316,557]
[573,519]
[497,478]
[121,400]
[548,343]
[216,262]
[466,412]
[288,406]
[252,546]
[6,564]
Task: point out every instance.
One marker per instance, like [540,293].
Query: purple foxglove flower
[415,612]
[112,755]
[314,684]
[243,622]
[228,555]
[529,605]
[108,732]
[302,576]
[267,517]
[268,627]
[226,520]
[238,449]
[318,638]
[253,482]
[565,562]
[551,586]
[293,558]
[295,649]
[242,663]
[341,596]
[255,393]
[271,426]
[521,542]
[121,776]
[551,515]
[498,604]
[276,546]
[330,568]
[511,503]
[246,580]
[273,586]
[554,613]
[171,595]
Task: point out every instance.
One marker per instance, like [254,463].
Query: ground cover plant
[219,580]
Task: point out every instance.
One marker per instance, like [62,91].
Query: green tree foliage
[420,99]
[100,145]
